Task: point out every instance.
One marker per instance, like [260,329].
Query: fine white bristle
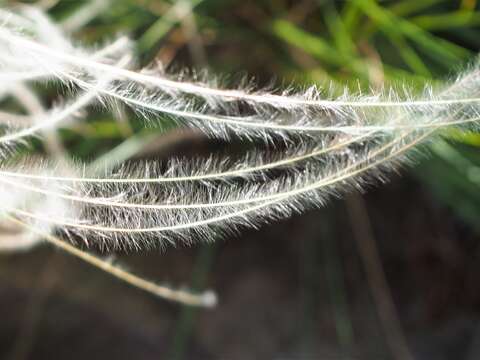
[305,146]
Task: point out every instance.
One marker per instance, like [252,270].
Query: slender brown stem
[376,278]
[206,299]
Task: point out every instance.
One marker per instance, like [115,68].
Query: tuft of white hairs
[326,145]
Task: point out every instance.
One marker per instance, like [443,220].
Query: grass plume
[329,144]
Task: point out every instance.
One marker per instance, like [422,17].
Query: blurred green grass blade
[396,75]
[351,16]
[408,7]
[311,44]
[121,153]
[469,138]
[164,24]
[400,8]
[453,157]
[337,29]
[438,49]
[317,47]
[449,186]
[454,178]
[325,52]
[447,21]
[409,55]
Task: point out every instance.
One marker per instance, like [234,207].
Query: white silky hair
[323,145]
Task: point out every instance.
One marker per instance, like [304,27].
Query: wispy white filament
[196,89]
[355,115]
[304,146]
